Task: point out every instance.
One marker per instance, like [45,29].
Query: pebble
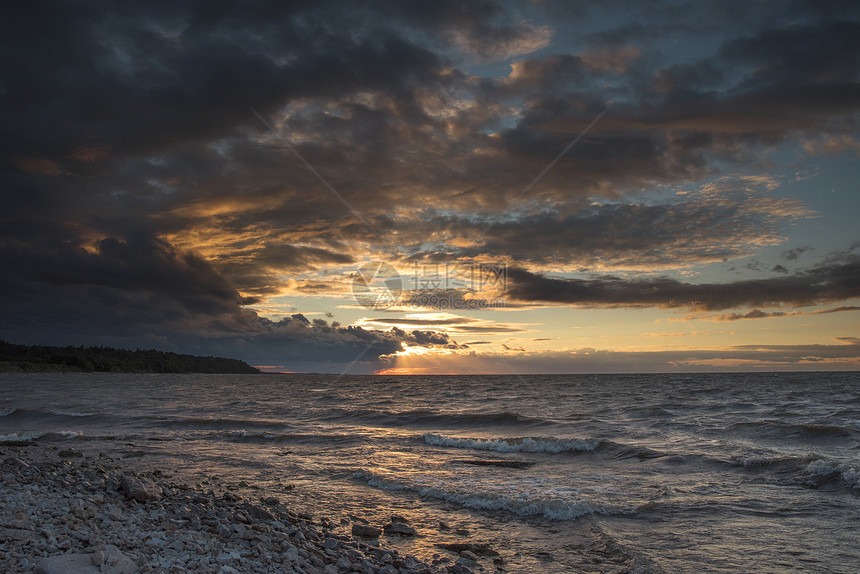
[114,513]
[70,453]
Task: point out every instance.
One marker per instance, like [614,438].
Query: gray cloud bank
[832,281]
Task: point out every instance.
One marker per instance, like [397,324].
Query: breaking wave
[21,436]
[428,417]
[25,436]
[534,499]
[810,469]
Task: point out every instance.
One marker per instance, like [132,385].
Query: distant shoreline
[71,359]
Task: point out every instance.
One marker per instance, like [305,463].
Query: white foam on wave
[848,475]
[21,436]
[534,498]
[33,435]
[821,467]
[252,434]
[521,444]
[6,412]
[811,469]
[758,461]
[851,478]
[70,414]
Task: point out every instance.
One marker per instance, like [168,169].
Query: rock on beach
[110,561]
[139,489]
[400,528]
[365,531]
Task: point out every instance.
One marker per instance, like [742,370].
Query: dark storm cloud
[833,281]
[131,78]
[660,20]
[138,78]
[727,223]
[125,77]
[176,74]
[143,292]
[758,89]
[826,52]
[124,289]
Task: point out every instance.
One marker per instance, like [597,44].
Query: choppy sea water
[696,473]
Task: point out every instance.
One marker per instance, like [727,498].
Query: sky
[401,187]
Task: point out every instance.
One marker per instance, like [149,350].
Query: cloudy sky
[436,187]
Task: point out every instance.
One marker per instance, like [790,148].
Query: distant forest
[39,358]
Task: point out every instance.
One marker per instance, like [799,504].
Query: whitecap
[851,478]
[252,434]
[551,445]
[765,460]
[21,436]
[70,414]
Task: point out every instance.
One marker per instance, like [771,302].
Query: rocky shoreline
[63,513]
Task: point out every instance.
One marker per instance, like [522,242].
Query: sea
[724,472]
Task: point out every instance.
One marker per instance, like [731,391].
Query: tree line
[108,359]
